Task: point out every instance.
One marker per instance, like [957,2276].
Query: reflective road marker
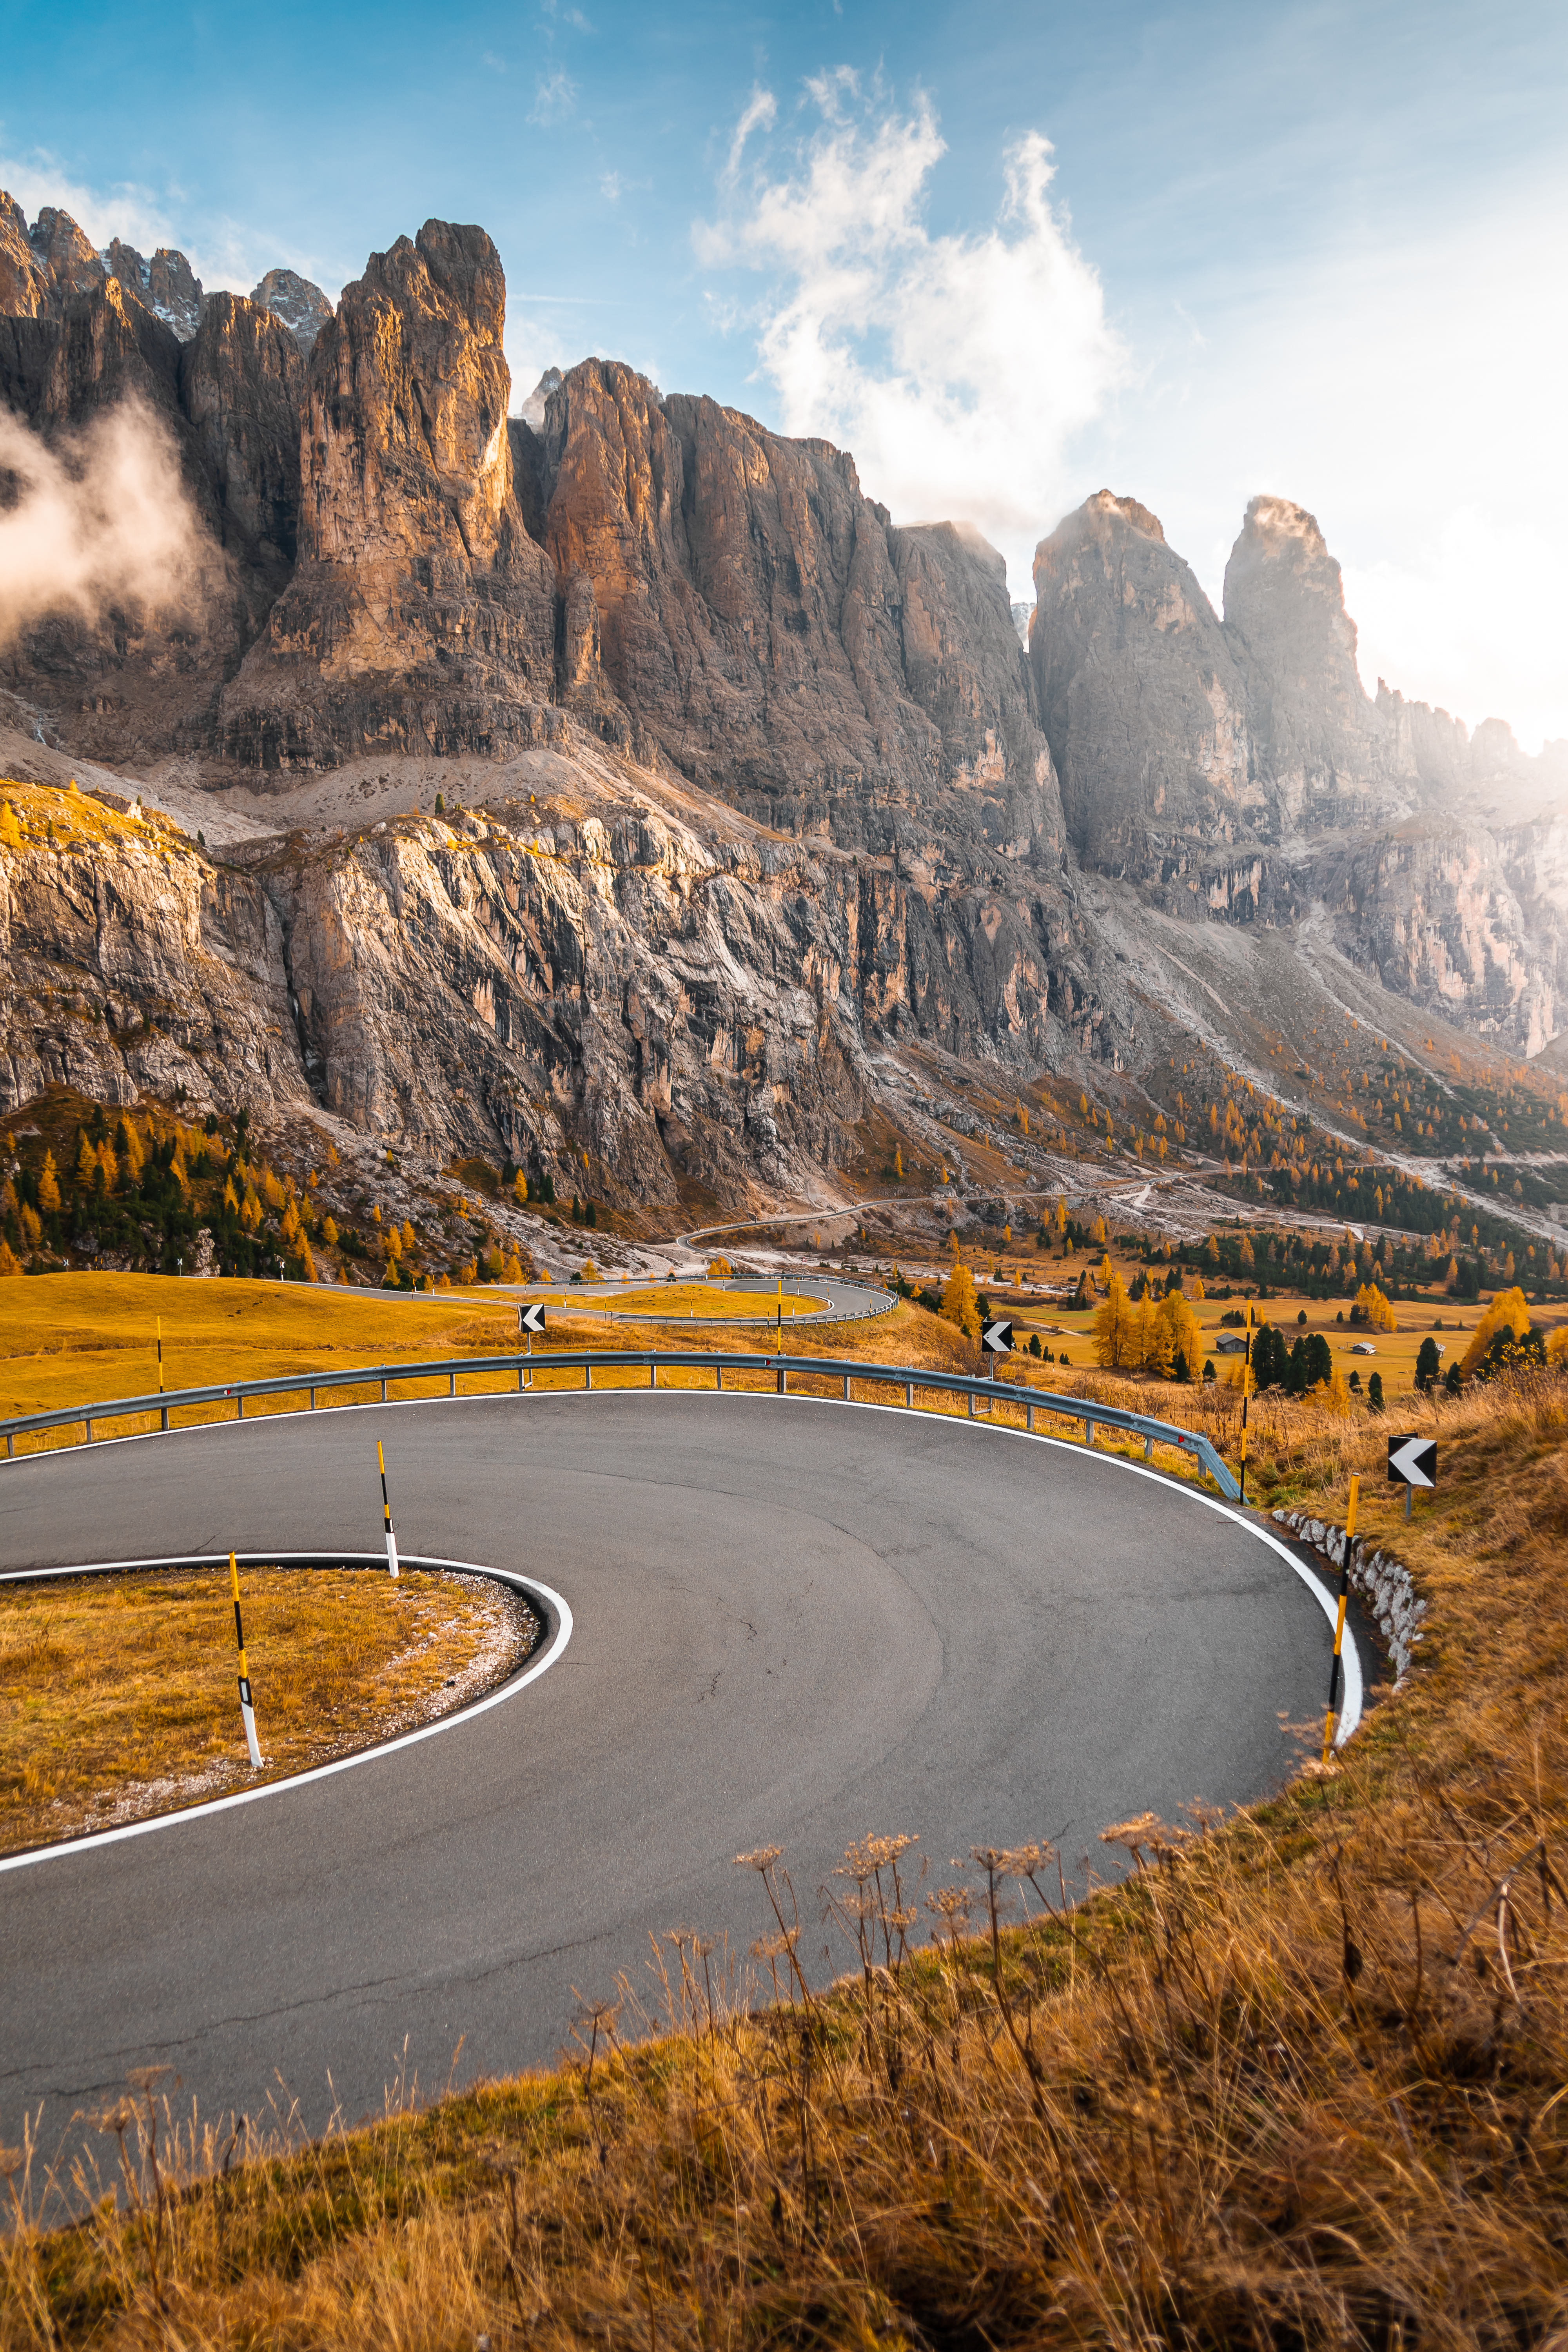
[245,1706]
[386,1509]
[1334,1671]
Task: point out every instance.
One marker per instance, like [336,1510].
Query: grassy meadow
[118,1695]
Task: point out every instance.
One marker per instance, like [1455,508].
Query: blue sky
[1006,254]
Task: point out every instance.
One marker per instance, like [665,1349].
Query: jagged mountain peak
[301,304]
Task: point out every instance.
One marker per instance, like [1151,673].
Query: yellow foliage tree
[958,1300]
[273,1192]
[50,1183]
[1186,1337]
[230,1197]
[1155,1348]
[410,1238]
[9,1261]
[719,1270]
[329,1232]
[110,1165]
[590,1271]
[1506,1312]
[899,1162]
[1116,1328]
[1376,1312]
[86,1162]
[32,1226]
[392,1244]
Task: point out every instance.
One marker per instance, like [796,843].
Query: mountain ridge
[622,593]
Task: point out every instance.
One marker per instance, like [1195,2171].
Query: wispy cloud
[554,98]
[223,253]
[759,114]
[96,522]
[956,367]
[125,210]
[610,187]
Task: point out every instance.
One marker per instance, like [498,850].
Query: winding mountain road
[794,1622]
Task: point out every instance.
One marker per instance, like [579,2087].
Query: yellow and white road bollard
[247,1706]
[386,1509]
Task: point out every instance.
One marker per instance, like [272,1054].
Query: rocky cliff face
[1144,702]
[783,644]
[595,961]
[303,309]
[769,782]
[82,335]
[1238,768]
[1328,753]
[421,615]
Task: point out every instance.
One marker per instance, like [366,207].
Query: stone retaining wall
[1385,1585]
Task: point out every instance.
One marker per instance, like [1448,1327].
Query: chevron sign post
[998,1339]
[1412,1462]
[530,1320]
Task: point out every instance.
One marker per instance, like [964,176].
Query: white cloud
[610,187]
[101,519]
[1409,390]
[224,254]
[759,114]
[555,96]
[133,214]
[958,367]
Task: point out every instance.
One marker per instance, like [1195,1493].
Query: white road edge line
[527,1585]
[1349,1712]
[1354,1692]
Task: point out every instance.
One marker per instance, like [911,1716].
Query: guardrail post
[10,1447]
[87,1426]
[163,1416]
[652,1373]
[910,1395]
[846,1388]
[718,1374]
[783,1378]
[1149,1447]
[587,1376]
[240,1405]
[312,1400]
[452,1381]
[1088,1430]
[1029,1419]
[453,1390]
[971,1414]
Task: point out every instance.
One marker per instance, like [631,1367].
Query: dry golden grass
[698,1301]
[118,1695]
[84,1338]
[1302,2082]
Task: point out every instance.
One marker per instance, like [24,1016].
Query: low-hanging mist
[99,520]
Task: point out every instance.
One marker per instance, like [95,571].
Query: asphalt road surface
[794,1622]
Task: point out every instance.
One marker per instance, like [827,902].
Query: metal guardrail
[653,1361]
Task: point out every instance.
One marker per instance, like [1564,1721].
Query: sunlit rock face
[1326,748]
[1143,700]
[302,307]
[817,788]
[421,615]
